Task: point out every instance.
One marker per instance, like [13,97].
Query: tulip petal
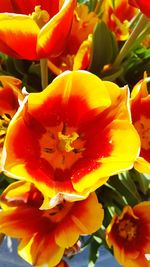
[20,193]
[78,223]
[22,7]
[142,165]
[47,251]
[13,222]
[122,135]
[10,95]
[67,234]
[17,33]
[138,262]
[89,208]
[82,57]
[6,6]
[50,35]
[91,95]
[142,210]
[143,5]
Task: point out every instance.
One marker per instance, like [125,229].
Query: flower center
[66,141]
[4,122]
[143,128]
[127,229]
[41,17]
[61,146]
[57,213]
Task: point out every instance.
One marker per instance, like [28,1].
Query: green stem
[132,38]
[44,73]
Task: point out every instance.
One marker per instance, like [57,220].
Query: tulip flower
[37,34]
[143,5]
[129,235]
[140,108]
[62,264]
[77,52]
[117,17]
[10,95]
[26,8]
[44,234]
[71,137]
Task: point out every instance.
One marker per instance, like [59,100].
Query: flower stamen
[127,229]
[66,141]
[41,17]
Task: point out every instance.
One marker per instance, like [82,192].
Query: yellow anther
[66,141]
[41,17]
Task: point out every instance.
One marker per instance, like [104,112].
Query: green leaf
[142,181]
[121,186]
[95,243]
[128,182]
[91,5]
[104,48]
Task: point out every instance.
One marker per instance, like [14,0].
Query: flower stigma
[61,146]
[41,17]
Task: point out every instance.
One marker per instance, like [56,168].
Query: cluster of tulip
[75,129]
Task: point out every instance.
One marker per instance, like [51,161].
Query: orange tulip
[129,234]
[10,95]
[71,137]
[140,109]
[77,52]
[62,264]
[44,234]
[117,16]
[39,34]
[143,5]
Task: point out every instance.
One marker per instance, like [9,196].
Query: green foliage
[4,182]
[104,49]
[135,64]
[94,246]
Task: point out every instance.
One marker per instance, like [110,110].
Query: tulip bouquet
[75,129]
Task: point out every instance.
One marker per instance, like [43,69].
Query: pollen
[66,141]
[127,229]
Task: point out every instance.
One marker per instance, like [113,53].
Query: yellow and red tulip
[117,17]
[140,109]
[39,33]
[129,235]
[26,8]
[10,95]
[143,5]
[72,136]
[78,48]
[44,234]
